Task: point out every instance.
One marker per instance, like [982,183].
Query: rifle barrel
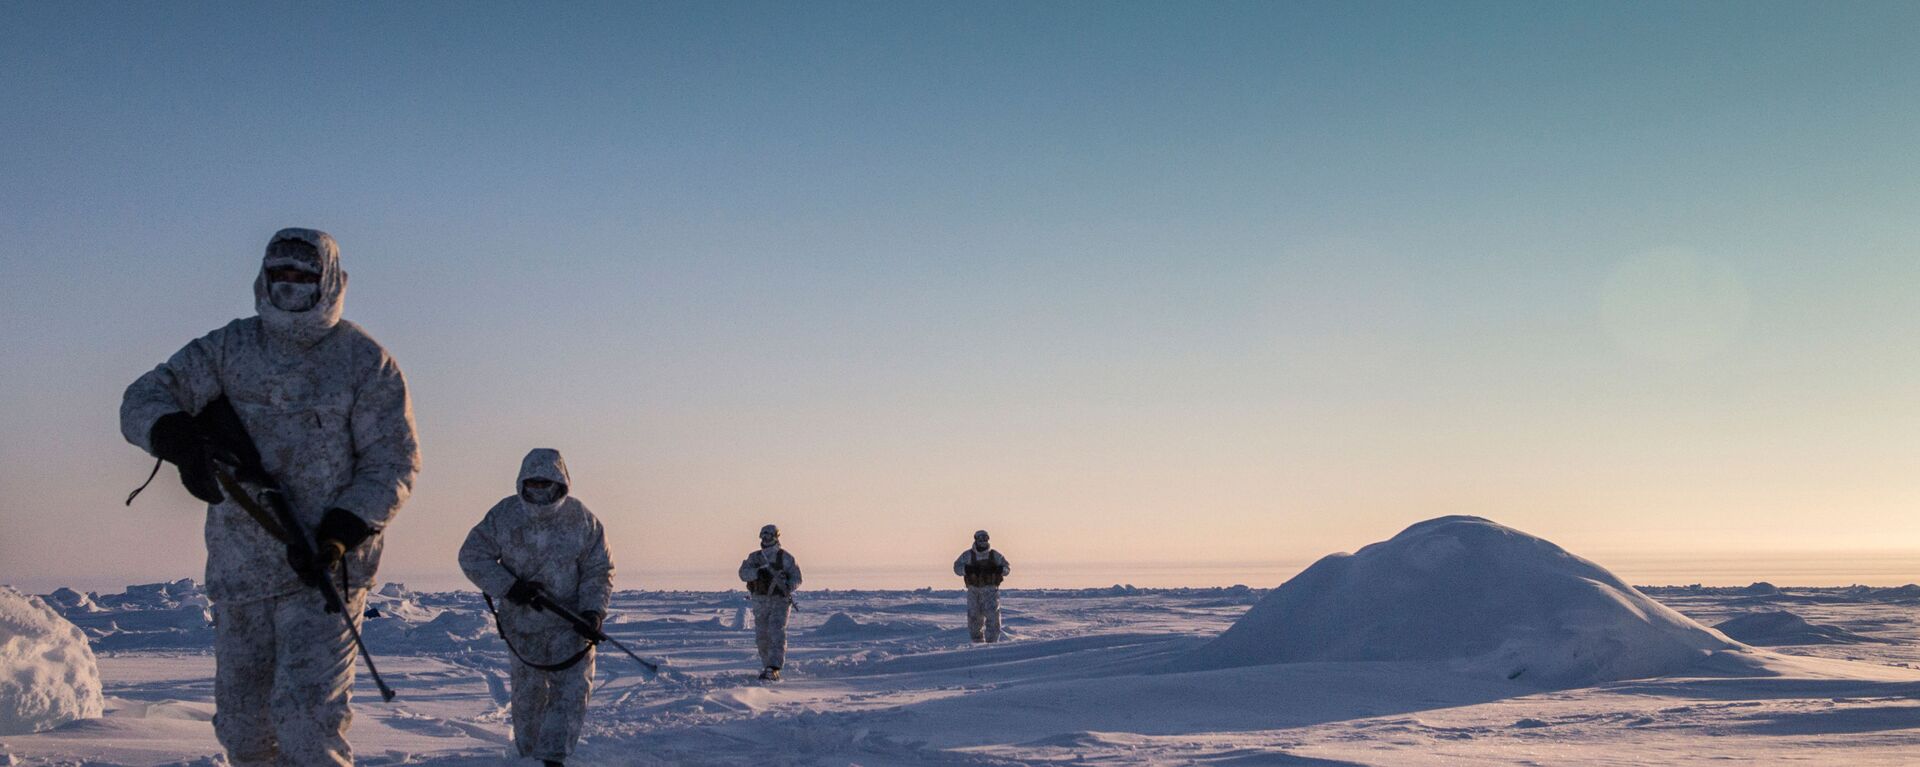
[595,635]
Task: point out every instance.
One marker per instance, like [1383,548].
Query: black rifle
[228,444]
[543,602]
[766,574]
[582,626]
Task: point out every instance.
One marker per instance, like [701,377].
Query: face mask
[544,496]
[293,296]
[981,545]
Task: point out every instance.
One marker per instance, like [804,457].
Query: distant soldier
[538,547]
[771,575]
[984,569]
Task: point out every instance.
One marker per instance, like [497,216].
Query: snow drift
[1484,599]
[1775,628]
[843,627]
[47,672]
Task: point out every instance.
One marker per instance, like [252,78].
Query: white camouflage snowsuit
[563,547]
[772,601]
[983,591]
[329,411]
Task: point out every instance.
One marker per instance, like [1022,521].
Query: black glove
[176,440]
[340,531]
[594,620]
[305,565]
[523,592]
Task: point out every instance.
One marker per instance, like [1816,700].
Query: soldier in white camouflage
[328,412]
[982,569]
[536,545]
[771,575]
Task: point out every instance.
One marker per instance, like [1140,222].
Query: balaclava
[293,296]
[296,313]
[543,463]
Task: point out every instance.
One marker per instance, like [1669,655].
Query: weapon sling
[580,625]
[335,598]
[570,662]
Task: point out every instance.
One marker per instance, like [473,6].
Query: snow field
[1113,676]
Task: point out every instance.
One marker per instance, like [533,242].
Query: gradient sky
[1130,285]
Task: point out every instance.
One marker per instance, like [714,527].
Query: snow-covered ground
[1457,642]
[894,682]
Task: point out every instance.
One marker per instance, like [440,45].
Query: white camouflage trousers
[548,706]
[283,679]
[983,613]
[770,628]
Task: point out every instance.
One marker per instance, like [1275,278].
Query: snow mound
[394,602]
[1909,591]
[153,616]
[449,631]
[1484,599]
[155,596]
[65,600]
[47,672]
[843,626]
[1779,627]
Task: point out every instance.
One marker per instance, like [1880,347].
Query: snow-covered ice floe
[1401,653]
[47,673]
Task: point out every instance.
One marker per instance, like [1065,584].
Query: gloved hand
[594,619]
[339,532]
[523,593]
[302,565]
[176,440]
[309,567]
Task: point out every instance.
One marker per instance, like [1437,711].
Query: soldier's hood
[545,463]
[306,328]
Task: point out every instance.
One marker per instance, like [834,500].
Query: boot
[772,674]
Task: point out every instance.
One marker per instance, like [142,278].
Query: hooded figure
[542,542]
[771,575]
[329,413]
[984,569]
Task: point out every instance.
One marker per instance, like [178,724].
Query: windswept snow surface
[47,672]
[1487,600]
[888,678]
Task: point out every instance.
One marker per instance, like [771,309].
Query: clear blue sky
[1122,282]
